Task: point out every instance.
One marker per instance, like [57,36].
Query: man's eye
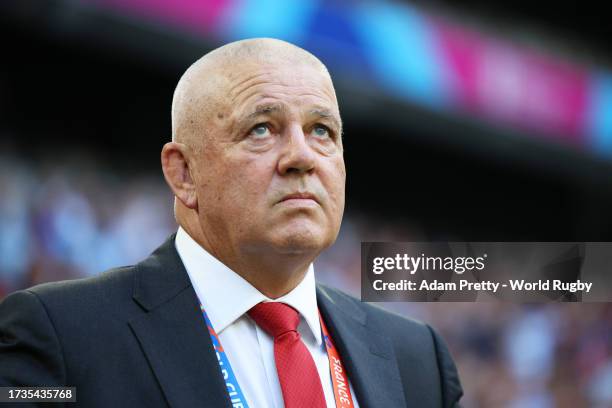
[261,130]
[321,131]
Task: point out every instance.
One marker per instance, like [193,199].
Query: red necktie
[297,372]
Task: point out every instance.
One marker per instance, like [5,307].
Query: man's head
[256,163]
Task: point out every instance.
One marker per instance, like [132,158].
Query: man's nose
[297,155]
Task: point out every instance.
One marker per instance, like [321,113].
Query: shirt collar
[226,296]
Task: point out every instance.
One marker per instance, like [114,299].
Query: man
[256,166]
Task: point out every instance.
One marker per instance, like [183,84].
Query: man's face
[271,172]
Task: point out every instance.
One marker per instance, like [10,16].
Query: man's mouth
[300,197]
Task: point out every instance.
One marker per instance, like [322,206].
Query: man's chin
[301,241]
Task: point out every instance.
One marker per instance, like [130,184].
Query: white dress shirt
[226,297]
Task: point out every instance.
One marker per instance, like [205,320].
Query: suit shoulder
[110,278]
[108,286]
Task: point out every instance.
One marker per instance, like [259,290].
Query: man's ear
[175,165]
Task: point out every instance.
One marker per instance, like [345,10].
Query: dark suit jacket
[135,337]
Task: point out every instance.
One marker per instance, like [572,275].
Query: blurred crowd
[80,217]
[67,218]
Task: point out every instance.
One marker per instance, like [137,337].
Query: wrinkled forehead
[295,85]
[232,79]
[215,89]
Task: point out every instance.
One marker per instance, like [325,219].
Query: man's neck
[272,273]
[274,277]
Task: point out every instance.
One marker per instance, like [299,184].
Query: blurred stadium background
[464,121]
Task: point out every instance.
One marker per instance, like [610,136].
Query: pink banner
[196,16]
[505,83]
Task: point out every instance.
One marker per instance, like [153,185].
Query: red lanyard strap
[342,390]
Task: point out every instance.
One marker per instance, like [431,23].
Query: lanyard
[231,382]
[342,392]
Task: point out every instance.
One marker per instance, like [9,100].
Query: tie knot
[275,318]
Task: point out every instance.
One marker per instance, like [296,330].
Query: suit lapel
[173,334]
[367,355]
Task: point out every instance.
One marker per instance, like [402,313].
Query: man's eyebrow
[265,110]
[327,114]
[268,109]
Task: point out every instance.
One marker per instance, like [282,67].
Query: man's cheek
[243,190]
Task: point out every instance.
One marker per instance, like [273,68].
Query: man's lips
[300,196]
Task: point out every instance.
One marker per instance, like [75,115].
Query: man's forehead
[237,77]
[280,73]
[240,81]
[256,89]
